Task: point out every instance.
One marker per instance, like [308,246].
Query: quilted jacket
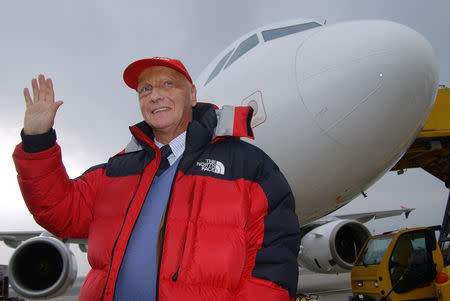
[229,231]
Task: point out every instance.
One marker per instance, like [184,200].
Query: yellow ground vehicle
[403,265]
[409,264]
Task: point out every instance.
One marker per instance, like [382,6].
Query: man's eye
[144,90]
[168,83]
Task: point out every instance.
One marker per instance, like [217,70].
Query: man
[211,219]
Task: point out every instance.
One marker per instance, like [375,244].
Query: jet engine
[42,267]
[332,247]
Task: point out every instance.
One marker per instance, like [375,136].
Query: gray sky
[84,46]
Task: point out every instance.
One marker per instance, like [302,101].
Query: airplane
[335,106]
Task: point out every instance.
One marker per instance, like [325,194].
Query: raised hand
[41,109]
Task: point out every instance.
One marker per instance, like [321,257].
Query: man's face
[166,99]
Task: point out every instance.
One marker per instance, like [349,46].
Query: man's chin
[156,122]
[159,126]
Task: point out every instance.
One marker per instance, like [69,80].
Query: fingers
[42,90]
[41,109]
[50,91]
[26,94]
[35,88]
[57,105]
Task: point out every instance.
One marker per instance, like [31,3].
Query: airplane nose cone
[366,79]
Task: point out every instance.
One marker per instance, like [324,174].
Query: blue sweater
[137,275]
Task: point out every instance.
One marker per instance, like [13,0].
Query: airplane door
[255,100]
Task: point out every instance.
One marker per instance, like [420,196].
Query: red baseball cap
[131,73]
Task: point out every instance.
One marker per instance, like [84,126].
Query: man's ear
[193,95]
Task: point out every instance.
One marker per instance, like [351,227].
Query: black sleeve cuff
[38,143]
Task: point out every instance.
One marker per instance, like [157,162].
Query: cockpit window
[284,31]
[243,48]
[219,67]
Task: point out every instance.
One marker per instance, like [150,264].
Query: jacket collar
[208,122]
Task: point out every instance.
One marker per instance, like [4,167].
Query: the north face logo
[212,166]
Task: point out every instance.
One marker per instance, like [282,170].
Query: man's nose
[156,94]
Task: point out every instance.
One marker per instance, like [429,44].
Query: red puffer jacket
[229,233]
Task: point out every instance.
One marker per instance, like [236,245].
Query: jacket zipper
[164,228]
[175,275]
[120,232]
[117,238]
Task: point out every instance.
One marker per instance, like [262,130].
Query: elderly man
[187,211]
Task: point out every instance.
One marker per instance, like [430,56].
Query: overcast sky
[84,46]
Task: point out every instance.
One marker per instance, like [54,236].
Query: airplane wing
[362,217]
[367,216]
[14,238]
[431,149]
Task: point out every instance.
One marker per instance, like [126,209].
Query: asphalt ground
[325,287]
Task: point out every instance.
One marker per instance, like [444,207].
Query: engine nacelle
[333,247]
[42,267]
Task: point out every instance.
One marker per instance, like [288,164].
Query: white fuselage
[336,106]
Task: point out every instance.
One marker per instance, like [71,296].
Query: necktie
[164,164]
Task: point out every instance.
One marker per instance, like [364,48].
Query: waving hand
[41,109]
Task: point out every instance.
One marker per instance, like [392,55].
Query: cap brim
[132,72]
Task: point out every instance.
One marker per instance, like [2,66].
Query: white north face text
[212,166]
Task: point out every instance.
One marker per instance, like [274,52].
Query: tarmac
[324,287]
[327,287]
